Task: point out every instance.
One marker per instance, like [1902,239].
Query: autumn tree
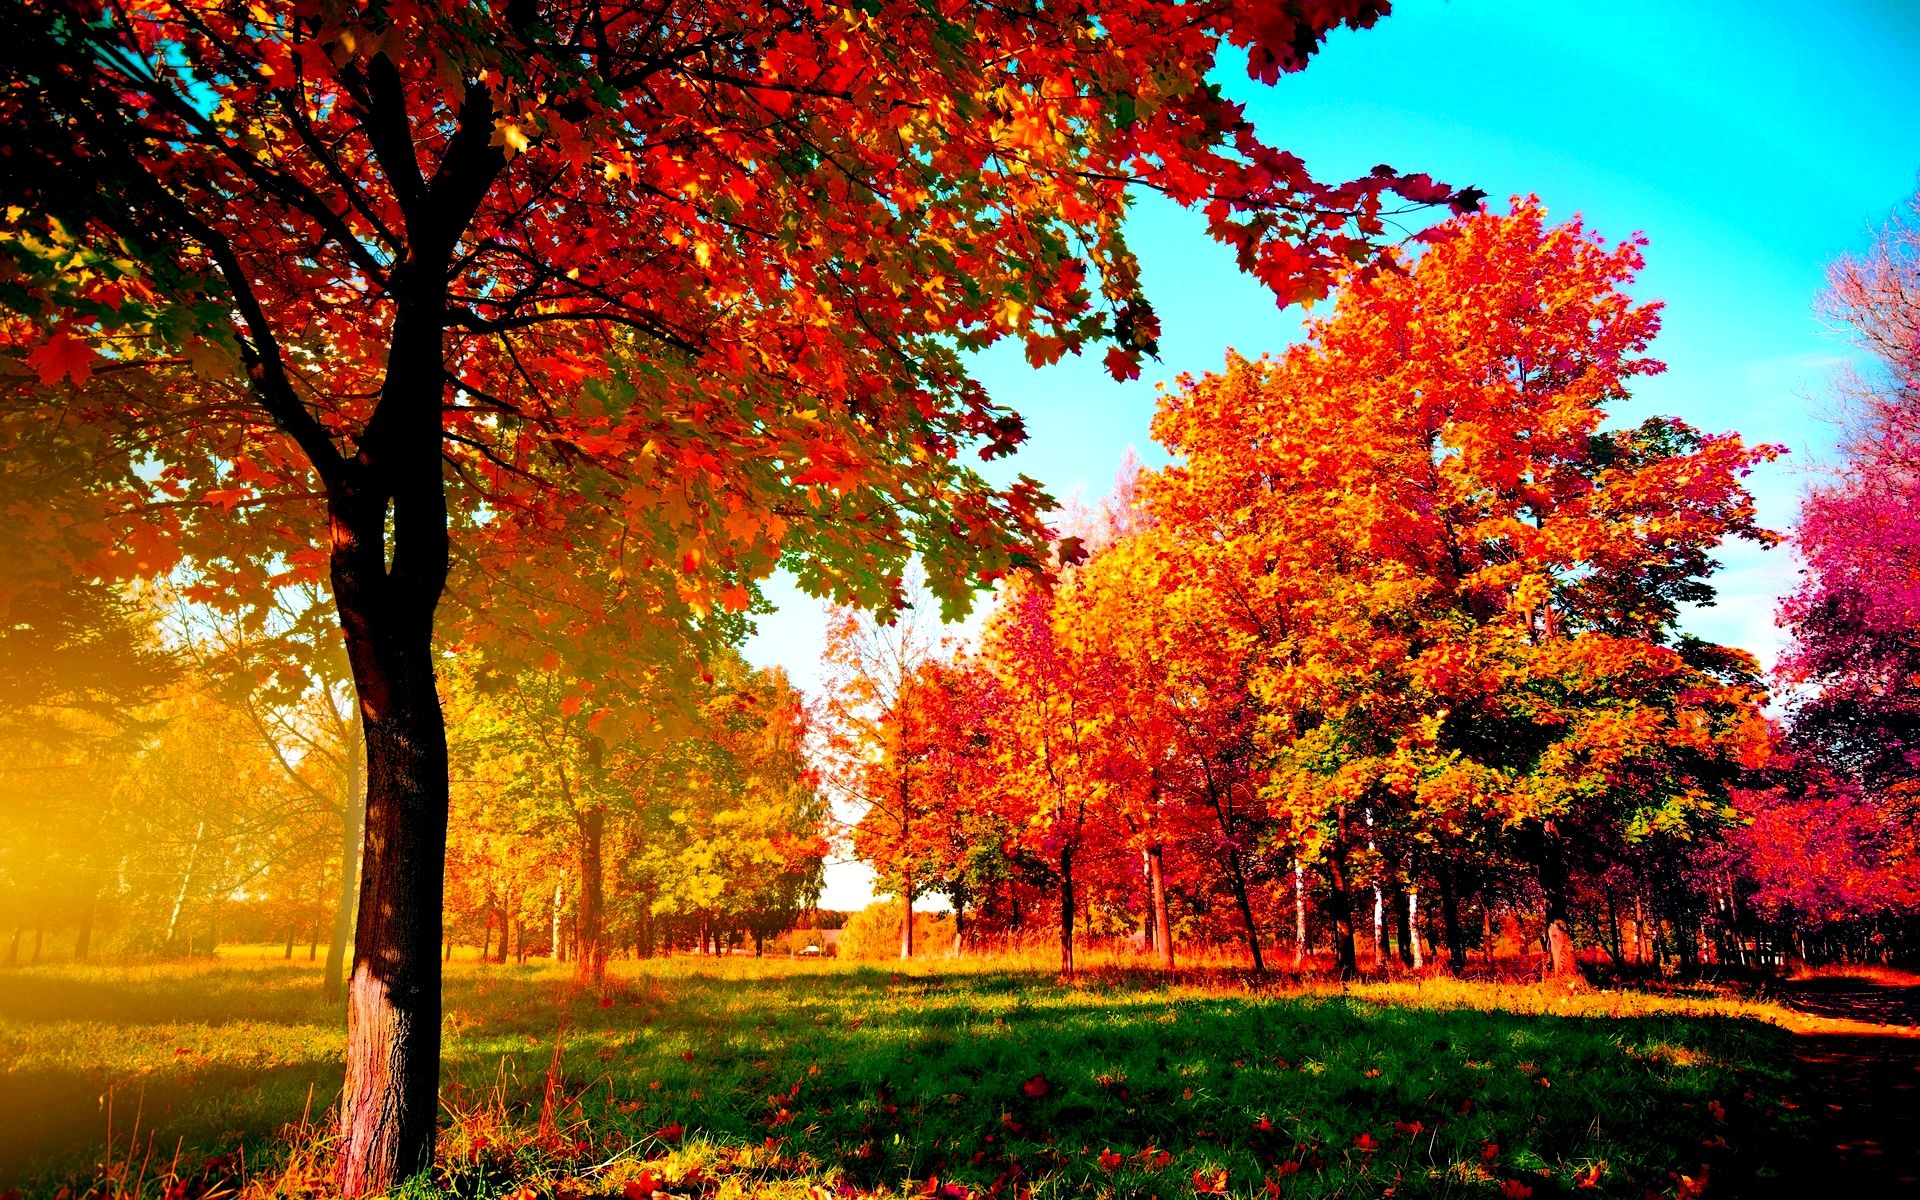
[876,731]
[1468,588]
[1854,655]
[455,274]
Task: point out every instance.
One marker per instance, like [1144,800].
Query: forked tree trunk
[1157,889]
[386,599]
[591,962]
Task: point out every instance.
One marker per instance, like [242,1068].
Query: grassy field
[729,1077]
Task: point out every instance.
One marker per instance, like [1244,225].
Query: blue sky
[1751,142]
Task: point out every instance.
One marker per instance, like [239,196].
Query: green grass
[871,1080]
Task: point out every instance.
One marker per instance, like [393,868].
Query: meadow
[728,1077]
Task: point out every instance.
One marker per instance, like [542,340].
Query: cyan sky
[1751,143]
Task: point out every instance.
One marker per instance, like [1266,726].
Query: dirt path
[1861,1090]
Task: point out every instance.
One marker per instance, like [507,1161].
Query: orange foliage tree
[1463,588]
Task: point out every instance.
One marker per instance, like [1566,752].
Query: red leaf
[1036,1087]
[62,357]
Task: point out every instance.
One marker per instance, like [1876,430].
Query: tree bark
[390,1105]
[1157,888]
[591,962]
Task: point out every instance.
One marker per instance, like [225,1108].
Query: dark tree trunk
[386,600]
[1346,957]
[590,964]
[1615,949]
[1562,962]
[906,912]
[352,833]
[1157,885]
[486,940]
[1403,930]
[1237,876]
[1066,911]
[291,931]
[1450,919]
[83,940]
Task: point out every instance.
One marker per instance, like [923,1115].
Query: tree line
[1397,646]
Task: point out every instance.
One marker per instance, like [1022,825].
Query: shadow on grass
[981,1079]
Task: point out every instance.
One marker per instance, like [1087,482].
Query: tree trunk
[486,940]
[83,940]
[288,956]
[906,916]
[1561,960]
[1238,877]
[353,820]
[386,603]
[186,881]
[1450,920]
[1299,917]
[1615,950]
[1066,911]
[1157,892]
[591,962]
[1414,956]
[1340,907]
[13,947]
